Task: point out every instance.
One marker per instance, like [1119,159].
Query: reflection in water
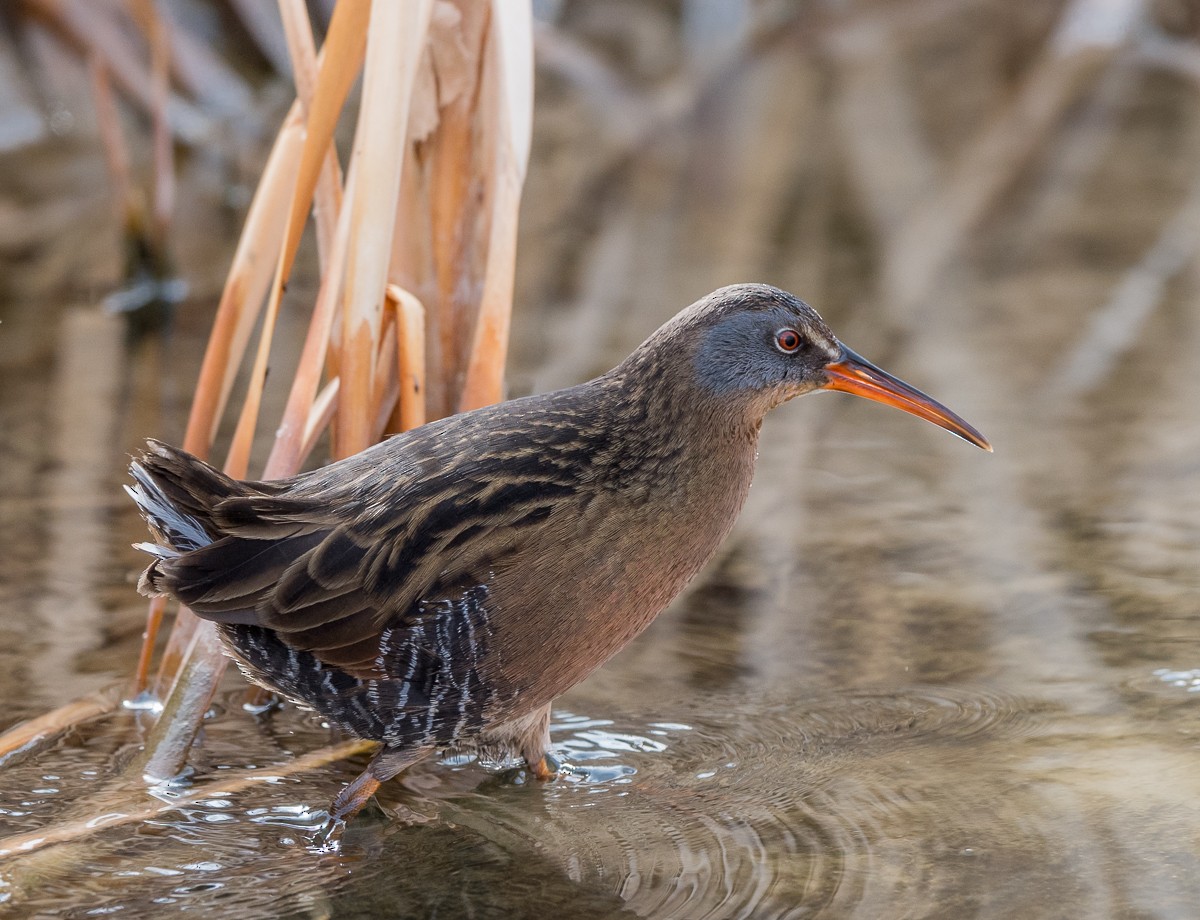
[86,390]
[874,803]
[820,802]
[1188,681]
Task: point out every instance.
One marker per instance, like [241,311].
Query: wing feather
[335,561]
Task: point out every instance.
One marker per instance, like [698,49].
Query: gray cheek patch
[734,356]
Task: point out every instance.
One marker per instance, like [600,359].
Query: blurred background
[919,680]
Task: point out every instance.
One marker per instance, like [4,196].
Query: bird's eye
[787,340]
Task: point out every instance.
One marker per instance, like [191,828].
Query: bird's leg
[534,745]
[545,768]
[350,801]
[353,797]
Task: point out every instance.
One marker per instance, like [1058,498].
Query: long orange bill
[852,373]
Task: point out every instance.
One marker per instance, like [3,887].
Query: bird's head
[756,346]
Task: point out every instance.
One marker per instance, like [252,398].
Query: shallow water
[920,681]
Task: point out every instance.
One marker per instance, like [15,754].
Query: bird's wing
[330,576]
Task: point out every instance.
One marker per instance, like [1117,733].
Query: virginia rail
[440,589]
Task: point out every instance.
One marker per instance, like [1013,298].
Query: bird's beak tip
[852,373]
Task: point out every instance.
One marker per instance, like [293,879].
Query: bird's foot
[329,834]
[545,768]
[346,805]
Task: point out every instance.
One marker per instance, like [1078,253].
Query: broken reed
[428,209]
[416,241]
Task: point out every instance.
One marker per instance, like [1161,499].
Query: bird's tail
[176,493]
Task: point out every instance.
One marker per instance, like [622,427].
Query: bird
[441,589]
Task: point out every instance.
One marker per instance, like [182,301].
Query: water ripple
[717,814]
[718,807]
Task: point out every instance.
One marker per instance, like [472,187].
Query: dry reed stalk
[293,438]
[302,48]
[79,829]
[396,30]
[338,65]
[385,359]
[237,312]
[237,463]
[154,619]
[436,247]
[194,661]
[381,150]
[509,60]
[32,733]
[319,417]
[305,161]
[178,642]
[385,409]
[412,267]
[410,359]
[374,353]
[201,666]
[453,245]
[450,188]
[246,285]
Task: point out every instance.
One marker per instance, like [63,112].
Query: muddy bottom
[919,681]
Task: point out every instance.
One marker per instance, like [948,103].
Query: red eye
[788,340]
